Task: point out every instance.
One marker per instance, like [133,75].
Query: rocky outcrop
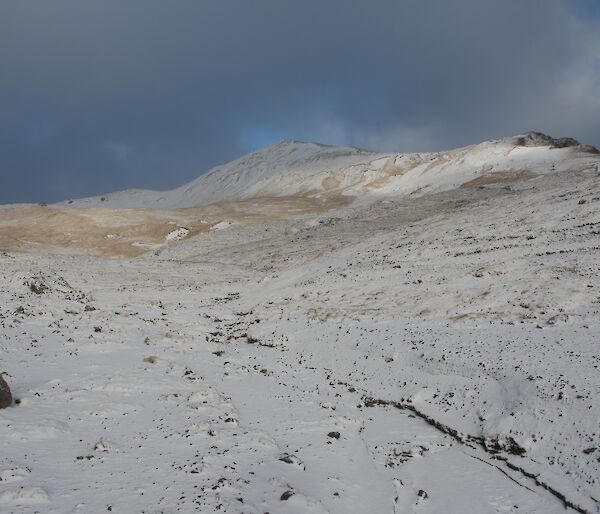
[540,139]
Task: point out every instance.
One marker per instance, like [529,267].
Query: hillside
[294,168]
[417,337]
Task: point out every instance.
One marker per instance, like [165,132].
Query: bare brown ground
[499,177]
[132,232]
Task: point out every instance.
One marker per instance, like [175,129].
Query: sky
[102,96]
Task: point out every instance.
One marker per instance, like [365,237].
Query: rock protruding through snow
[5,394]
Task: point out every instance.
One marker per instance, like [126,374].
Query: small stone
[334,435]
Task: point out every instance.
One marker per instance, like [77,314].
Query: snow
[426,352]
[24,496]
[221,225]
[177,234]
[296,168]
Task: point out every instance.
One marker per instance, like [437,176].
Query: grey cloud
[97,96]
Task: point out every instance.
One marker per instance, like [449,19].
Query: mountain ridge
[292,167]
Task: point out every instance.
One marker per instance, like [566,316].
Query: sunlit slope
[294,168]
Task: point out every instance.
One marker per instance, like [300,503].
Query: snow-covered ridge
[310,169]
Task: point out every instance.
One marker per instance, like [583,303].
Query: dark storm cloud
[98,96]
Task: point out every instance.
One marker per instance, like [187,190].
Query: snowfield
[431,346]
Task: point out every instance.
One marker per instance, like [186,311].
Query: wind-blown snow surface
[421,354]
[295,168]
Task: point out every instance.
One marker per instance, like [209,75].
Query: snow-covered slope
[423,353]
[412,355]
[296,168]
[278,170]
[420,354]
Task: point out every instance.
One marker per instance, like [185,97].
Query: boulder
[5,396]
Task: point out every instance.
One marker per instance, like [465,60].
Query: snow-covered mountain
[309,169]
[423,353]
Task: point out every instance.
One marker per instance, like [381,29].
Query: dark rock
[564,142]
[539,139]
[492,445]
[37,287]
[5,394]
[589,149]
[511,446]
[334,435]
[286,495]
[372,402]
